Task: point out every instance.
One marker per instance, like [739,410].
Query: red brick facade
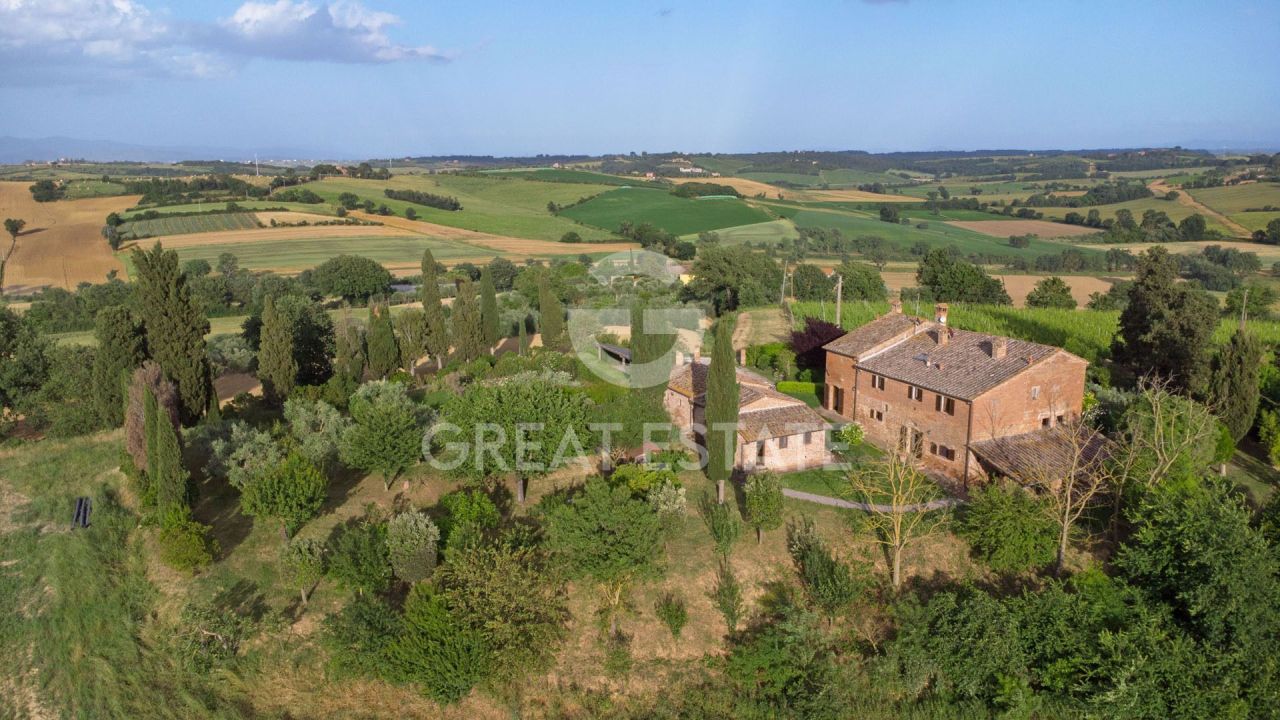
[1042,389]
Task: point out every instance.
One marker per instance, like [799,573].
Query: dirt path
[1160,187]
[869,507]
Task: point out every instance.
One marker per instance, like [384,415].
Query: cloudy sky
[381,77]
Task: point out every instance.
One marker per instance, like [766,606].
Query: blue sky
[383,77]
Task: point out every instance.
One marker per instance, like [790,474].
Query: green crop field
[1238,198]
[188,224]
[916,212]
[492,204]
[315,208]
[723,165]
[93,188]
[904,236]
[1255,220]
[676,215]
[296,255]
[565,175]
[767,233]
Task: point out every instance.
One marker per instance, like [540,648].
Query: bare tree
[901,505]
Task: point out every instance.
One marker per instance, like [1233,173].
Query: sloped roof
[691,381]
[763,411]
[962,367]
[1042,456]
[875,333]
[778,422]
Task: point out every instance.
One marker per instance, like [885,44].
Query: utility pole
[782,292]
[1244,307]
[839,296]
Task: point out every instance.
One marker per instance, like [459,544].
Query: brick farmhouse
[775,431]
[959,402]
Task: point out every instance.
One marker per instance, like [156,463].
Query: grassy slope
[769,233]
[298,255]
[680,216]
[564,175]
[1255,220]
[192,224]
[317,208]
[1238,198]
[503,206]
[1175,211]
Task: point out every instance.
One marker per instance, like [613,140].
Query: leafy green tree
[808,282]
[784,667]
[525,428]
[950,279]
[412,543]
[607,535]
[1193,227]
[409,326]
[551,314]
[650,363]
[175,329]
[1167,327]
[1237,371]
[1252,301]
[490,321]
[243,455]
[351,277]
[764,502]
[435,651]
[303,561]
[385,437]
[1009,529]
[276,365]
[732,276]
[351,359]
[384,352]
[830,584]
[1051,292]
[121,349]
[889,214]
[25,365]
[1164,438]
[503,272]
[722,522]
[861,281]
[435,332]
[466,329]
[510,596]
[292,492]
[318,428]
[358,557]
[722,408]
[311,330]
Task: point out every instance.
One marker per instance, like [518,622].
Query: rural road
[869,507]
[1160,188]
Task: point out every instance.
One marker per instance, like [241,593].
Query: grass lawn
[1250,471]
[676,215]
[492,204]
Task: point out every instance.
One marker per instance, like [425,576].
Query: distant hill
[17,150]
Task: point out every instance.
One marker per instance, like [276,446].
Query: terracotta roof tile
[962,367]
[873,334]
[1042,456]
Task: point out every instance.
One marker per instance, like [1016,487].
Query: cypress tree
[277,368]
[175,328]
[553,332]
[384,352]
[722,407]
[468,336]
[489,319]
[435,328]
[524,337]
[168,478]
[409,327]
[151,415]
[121,348]
[1235,382]
[351,359]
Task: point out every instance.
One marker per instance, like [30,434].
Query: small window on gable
[1035,392]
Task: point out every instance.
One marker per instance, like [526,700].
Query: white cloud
[89,41]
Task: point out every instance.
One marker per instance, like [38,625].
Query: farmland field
[1255,220]
[1266,253]
[768,233]
[904,236]
[1176,211]
[313,208]
[843,176]
[1005,228]
[396,252]
[1237,198]
[565,175]
[188,224]
[676,215]
[62,244]
[1016,285]
[490,204]
[92,188]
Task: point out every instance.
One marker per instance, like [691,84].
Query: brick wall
[939,430]
[795,456]
[1051,388]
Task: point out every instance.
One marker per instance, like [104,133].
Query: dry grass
[62,244]
[1005,228]
[747,187]
[290,216]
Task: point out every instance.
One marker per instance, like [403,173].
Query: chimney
[940,313]
[943,335]
[999,348]
[895,307]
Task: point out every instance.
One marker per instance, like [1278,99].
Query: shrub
[795,387]
[303,561]
[357,637]
[829,583]
[642,479]
[385,437]
[727,595]
[722,522]
[318,427]
[468,513]
[412,543]
[764,502]
[358,557]
[435,651]
[292,492]
[1009,529]
[185,546]
[669,502]
[671,610]
[244,455]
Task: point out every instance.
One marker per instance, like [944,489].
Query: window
[1061,419]
[782,442]
[876,414]
[760,452]
[1035,391]
[945,404]
[877,382]
[1044,421]
[915,393]
[942,451]
[837,399]
[808,438]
